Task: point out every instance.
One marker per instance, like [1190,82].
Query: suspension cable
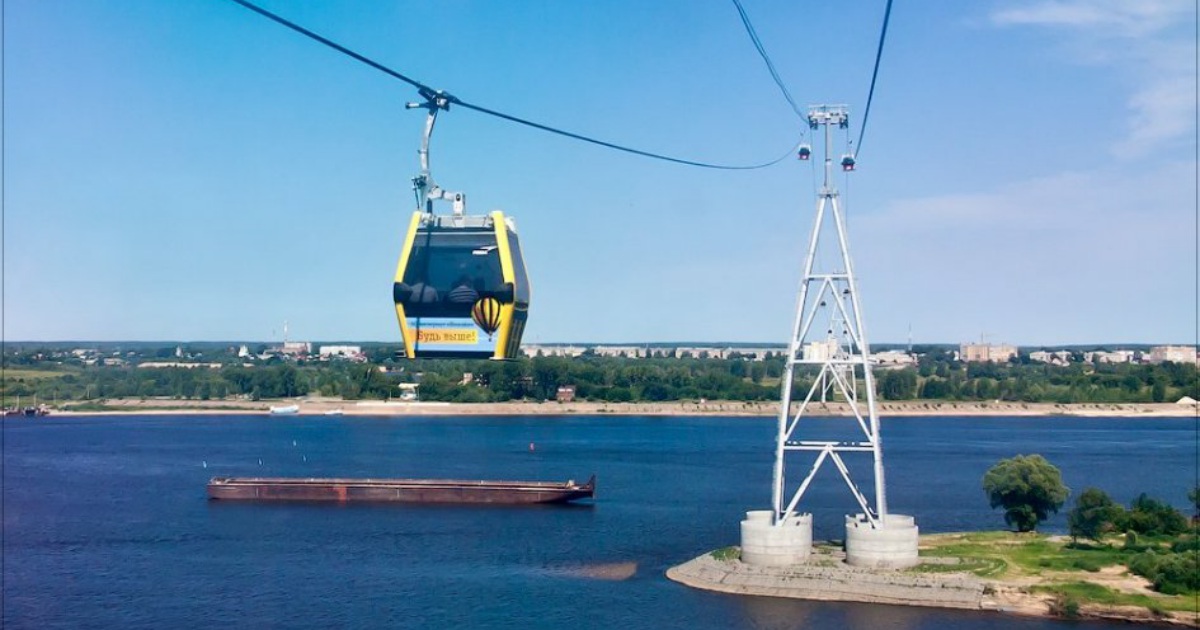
[862,130]
[767,59]
[429,93]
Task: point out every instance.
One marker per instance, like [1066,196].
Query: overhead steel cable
[862,130]
[767,59]
[430,93]
[568,134]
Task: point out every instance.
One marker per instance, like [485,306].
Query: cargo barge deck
[398,490]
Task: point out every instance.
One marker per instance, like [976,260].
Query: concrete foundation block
[894,545]
[766,544]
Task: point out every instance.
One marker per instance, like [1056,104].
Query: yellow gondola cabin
[460,288]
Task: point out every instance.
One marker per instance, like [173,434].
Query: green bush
[1145,564]
[1094,515]
[1185,544]
[1150,516]
[1171,573]
[1178,574]
[1064,606]
[1133,542]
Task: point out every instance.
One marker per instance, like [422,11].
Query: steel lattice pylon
[841,354]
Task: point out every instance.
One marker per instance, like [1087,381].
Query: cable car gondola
[460,288]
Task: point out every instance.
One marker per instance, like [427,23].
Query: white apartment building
[1174,354]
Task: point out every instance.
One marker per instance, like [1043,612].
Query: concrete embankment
[832,580]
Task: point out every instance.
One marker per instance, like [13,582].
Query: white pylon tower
[829,334]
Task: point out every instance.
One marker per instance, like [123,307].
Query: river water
[106,523]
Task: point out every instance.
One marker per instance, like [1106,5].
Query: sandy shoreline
[321,406]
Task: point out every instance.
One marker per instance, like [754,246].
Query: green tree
[898,384]
[1028,487]
[1094,514]
[1158,392]
[936,388]
[1150,516]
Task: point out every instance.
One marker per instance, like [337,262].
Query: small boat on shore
[398,490]
[287,410]
[334,412]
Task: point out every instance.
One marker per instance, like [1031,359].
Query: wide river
[106,524]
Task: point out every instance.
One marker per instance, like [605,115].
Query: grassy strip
[1090,593]
[1064,567]
[11,374]
[726,554]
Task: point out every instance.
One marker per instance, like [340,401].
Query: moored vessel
[398,490]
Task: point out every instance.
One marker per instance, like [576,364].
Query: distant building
[565,394]
[985,352]
[821,350]
[1174,354]
[296,347]
[1118,356]
[894,359]
[633,352]
[750,354]
[700,353]
[644,352]
[552,351]
[1061,357]
[408,391]
[179,364]
[343,352]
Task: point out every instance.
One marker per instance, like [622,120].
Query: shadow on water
[608,571]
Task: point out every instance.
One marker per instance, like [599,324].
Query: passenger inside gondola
[463,291]
[447,273]
[421,293]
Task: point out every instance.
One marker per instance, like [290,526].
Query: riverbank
[994,582]
[322,406]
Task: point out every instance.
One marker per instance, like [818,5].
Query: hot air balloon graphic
[486,313]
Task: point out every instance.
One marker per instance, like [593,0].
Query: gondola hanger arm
[423,185]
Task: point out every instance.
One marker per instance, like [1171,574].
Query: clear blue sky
[188,170]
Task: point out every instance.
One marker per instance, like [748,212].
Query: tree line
[937,376]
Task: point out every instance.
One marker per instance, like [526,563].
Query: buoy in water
[531,447]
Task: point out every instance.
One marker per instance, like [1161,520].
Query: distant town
[214,355]
[83,376]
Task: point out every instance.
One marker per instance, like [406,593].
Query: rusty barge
[398,490]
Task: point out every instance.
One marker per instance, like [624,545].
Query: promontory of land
[1025,574]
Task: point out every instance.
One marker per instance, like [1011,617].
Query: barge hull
[398,490]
